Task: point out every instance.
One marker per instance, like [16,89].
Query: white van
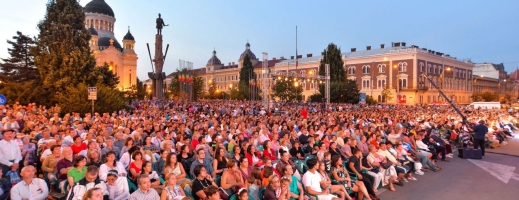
[485,105]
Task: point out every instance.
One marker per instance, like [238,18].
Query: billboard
[362,98]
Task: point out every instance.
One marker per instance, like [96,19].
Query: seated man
[91,180]
[29,187]
[145,191]
[312,182]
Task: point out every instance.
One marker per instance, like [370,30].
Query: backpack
[13,177]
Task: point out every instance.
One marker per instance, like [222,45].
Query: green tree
[387,95]
[74,99]
[489,96]
[19,66]
[247,71]
[211,91]
[103,75]
[285,90]
[62,52]
[332,55]
[198,88]
[174,87]
[370,100]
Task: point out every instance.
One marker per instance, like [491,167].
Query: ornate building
[122,60]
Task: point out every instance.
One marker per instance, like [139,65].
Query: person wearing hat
[10,152]
[480,131]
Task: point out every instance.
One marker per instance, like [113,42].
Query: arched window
[421,66]
[402,66]
[381,68]
[351,70]
[366,69]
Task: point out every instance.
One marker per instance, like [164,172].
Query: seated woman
[94,158]
[245,169]
[276,190]
[236,153]
[126,158]
[49,165]
[297,152]
[253,156]
[377,160]
[202,181]
[219,162]
[295,187]
[231,178]
[136,165]
[174,167]
[117,186]
[171,190]
[340,175]
[326,183]
[267,150]
[77,173]
[154,176]
[401,156]
[128,144]
[111,164]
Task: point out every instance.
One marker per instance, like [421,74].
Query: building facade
[121,59]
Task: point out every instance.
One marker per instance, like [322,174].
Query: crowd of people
[215,149]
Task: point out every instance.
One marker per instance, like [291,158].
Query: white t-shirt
[313,180]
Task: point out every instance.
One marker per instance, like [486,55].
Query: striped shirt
[140,195]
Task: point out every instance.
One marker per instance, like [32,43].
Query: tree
[332,55]
[198,88]
[489,96]
[62,52]
[386,94]
[103,75]
[19,66]
[74,99]
[285,90]
[211,91]
[247,71]
[371,101]
[174,87]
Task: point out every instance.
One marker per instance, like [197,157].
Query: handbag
[223,194]
[375,170]
[387,164]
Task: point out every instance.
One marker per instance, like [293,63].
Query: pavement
[494,177]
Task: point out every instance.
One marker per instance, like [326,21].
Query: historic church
[122,59]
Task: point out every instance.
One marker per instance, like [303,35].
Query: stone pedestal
[158,76]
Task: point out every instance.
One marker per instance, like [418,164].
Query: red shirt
[77,149]
[194,143]
[271,156]
[304,113]
[137,170]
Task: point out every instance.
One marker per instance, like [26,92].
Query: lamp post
[397,84]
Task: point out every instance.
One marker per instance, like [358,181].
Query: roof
[270,63]
[198,71]
[92,30]
[214,60]
[247,52]
[99,6]
[128,36]
[514,75]
[499,67]
[105,42]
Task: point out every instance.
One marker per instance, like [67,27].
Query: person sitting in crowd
[326,183]
[145,191]
[219,161]
[29,187]
[91,180]
[202,180]
[231,178]
[77,173]
[200,160]
[253,156]
[171,190]
[117,186]
[312,182]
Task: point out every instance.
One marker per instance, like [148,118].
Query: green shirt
[76,174]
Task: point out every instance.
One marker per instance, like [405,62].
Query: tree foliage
[74,99]
[103,75]
[285,90]
[387,95]
[211,91]
[19,66]
[62,52]
[332,55]
[247,71]
[486,96]
[370,100]
[173,88]
[198,88]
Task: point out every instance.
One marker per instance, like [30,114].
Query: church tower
[251,55]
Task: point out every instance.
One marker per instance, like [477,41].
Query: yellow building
[122,60]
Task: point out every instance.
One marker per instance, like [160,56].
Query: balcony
[422,88]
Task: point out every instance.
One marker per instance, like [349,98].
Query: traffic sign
[3,100]
[92,93]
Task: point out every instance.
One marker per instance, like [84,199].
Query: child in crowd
[253,185]
[267,172]
[327,162]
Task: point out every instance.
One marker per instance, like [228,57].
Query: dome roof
[99,6]
[247,52]
[92,30]
[214,60]
[128,36]
[105,42]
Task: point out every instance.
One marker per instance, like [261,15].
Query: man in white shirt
[10,154]
[30,187]
[312,182]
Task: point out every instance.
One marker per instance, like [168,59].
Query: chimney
[232,63]
[229,64]
[308,55]
[396,44]
[299,56]
[424,49]
[403,44]
[381,46]
[282,58]
[433,52]
[353,49]
[274,58]
[448,55]
[368,47]
[292,57]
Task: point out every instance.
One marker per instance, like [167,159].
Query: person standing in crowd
[10,152]
[480,131]
[30,187]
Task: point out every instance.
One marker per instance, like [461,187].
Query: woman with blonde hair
[171,190]
[93,194]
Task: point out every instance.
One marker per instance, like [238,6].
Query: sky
[483,31]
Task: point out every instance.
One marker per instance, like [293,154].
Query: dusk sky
[483,31]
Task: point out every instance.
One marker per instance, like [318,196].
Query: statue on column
[160,25]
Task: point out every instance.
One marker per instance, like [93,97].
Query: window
[434,69]
[421,66]
[381,68]
[429,68]
[303,84]
[366,84]
[366,69]
[381,83]
[402,66]
[352,78]
[402,82]
[351,70]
